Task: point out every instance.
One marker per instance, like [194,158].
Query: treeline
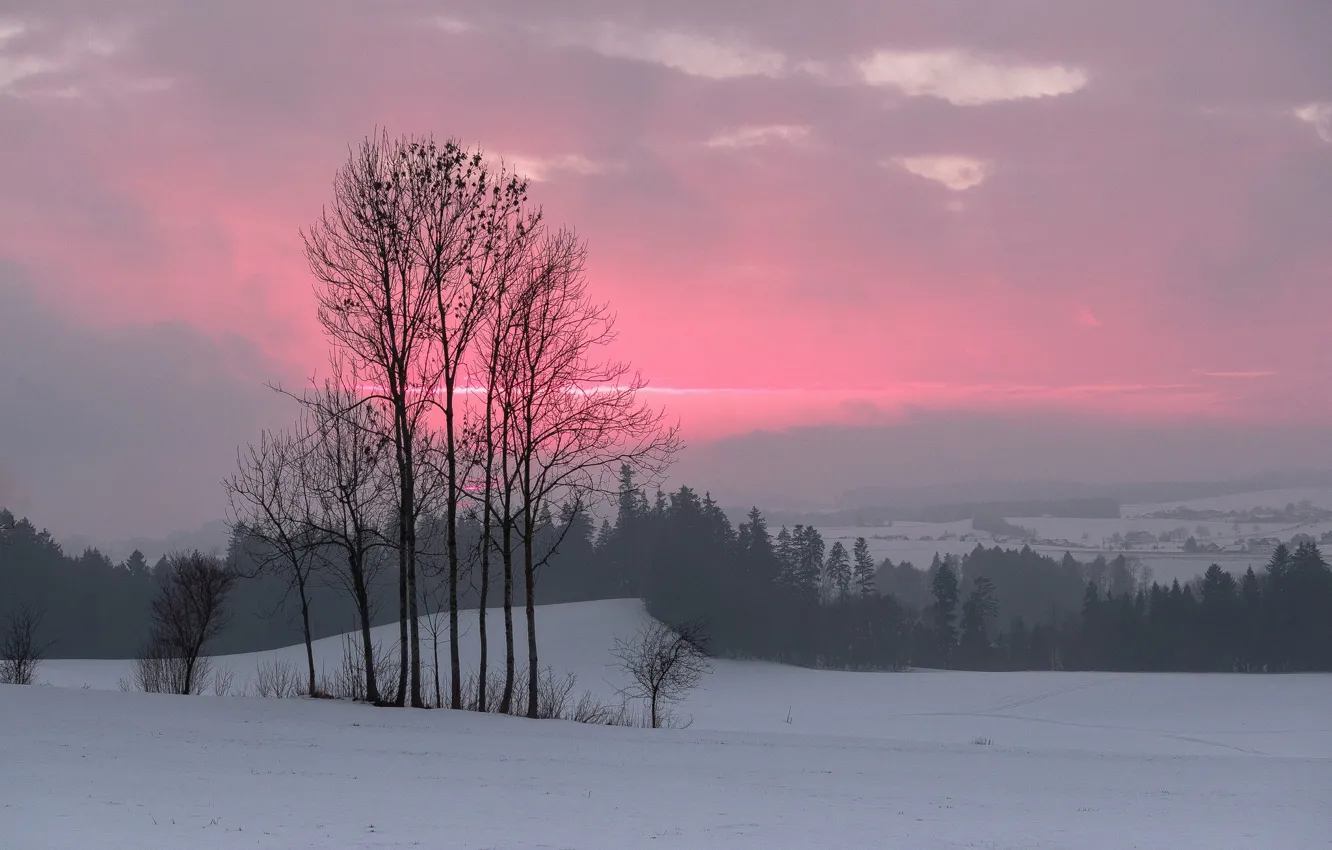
[786,596]
[790,597]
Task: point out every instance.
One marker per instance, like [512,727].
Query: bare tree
[663,664]
[350,488]
[187,612]
[472,226]
[435,540]
[268,502]
[575,420]
[20,651]
[490,444]
[376,302]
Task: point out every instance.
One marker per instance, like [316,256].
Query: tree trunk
[529,584]
[413,612]
[451,518]
[532,668]
[367,645]
[400,698]
[410,629]
[305,631]
[506,554]
[483,669]
[434,646]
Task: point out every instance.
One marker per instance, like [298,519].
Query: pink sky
[810,214]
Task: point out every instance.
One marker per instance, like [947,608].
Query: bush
[20,653]
[224,678]
[277,678]
[159,670]
[555,702]
[347,680]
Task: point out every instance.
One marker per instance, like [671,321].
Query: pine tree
[1219,610]
[784,551]
[946,594]
[977,613]
[760,561]
[1092,627]
[864,568]
[136,565]
[809,568]
[837,572]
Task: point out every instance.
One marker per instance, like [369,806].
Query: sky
[846,242]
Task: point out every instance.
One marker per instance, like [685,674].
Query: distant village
[1203,538]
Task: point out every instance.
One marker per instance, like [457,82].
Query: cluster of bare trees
[469,380]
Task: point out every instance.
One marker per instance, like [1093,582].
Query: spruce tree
[946,593]
[838,572]
[977,612]
[864,568]
[811,547]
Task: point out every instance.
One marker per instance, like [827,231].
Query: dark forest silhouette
[783,596]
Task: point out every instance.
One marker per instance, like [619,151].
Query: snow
[1089,537]
[777,757]
[1318,496]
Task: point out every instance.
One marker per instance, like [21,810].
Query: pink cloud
[808,270]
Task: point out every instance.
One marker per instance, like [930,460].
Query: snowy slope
[866,760]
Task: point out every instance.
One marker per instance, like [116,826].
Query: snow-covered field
[1088,537]
[777,757]
[1317,496]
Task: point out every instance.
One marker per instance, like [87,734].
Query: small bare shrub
[471,691]
[224,678]
[20,651]
[159,670]
[277,678]
[982,741]
[591,710]
[555,700]
[347,680]
[553,694]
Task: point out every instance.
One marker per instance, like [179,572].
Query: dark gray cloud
[810,467]
[121,432]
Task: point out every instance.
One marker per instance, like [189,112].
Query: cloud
[1319,116]
[966,80]
[544,169]
[99,424]
[687,52]
[452,25]
[67,64]
[1247,374]
[810,467]
[753,136]
[1087,318]
[958,173]
[11,29]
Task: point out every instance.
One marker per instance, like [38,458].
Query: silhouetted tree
[269,505]
[978,611]
[865,569]
[187,612]
[21,653]
[945,587]
[663,663]
[837,573]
